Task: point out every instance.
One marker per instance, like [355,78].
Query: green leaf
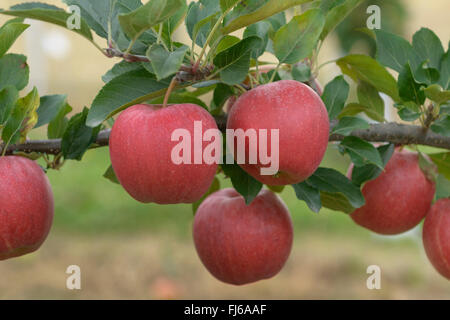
[22,112]
[332,181]
[444,79]
[202,91]
[174,22]
[426,75]
[336,201]
[442,160]
[301,72]
[251,11]
[335,95]
[205,84]
[436,94]
[354,108]
[111,175]
[165,63]
[198,20]
[226,42]
[337,14]
[428,167]
[47,13]
[277,21]
[122,92]
[442,126]
[428,46]
[361,152]
[347,125]
[245,184]
[179,98]
[9,34]
[8,99]
[49,108]
[121,68]
[409,89]
[58,125]
[203,27]
[221,95]
[368,96]
[149,15]
[260,29]
[407,114]
[327,5]
[215,186]
[296,40]
[234,62]
[14,71]
[364,68]
[98,13]
[78,137]
[309,194]
[370,171]
[442,187]
[394,51]
[227,4]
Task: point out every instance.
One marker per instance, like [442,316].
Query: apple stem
[172,85]
[210,37]
[274,73]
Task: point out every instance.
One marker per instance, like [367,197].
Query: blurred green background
[134,251]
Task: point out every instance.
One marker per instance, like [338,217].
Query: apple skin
[436,236]
[302,119]
[140,151]
[398,199]
[241,244]
[229,104]
[26,206]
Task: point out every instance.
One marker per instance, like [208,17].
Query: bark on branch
[384,132]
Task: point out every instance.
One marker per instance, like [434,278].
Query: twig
[399,134]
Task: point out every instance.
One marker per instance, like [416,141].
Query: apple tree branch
[396,133]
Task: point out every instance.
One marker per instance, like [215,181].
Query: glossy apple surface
[436,236]
[141,153]
[241,244]
[398,199]
[26,206]
[302,120]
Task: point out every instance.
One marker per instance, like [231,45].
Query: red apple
[398,199]
[302,120]
[240,244]
[26,206]
[229,104]
[436,236]
[141,146]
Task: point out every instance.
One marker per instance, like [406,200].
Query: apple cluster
[237,243]
[399,199]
